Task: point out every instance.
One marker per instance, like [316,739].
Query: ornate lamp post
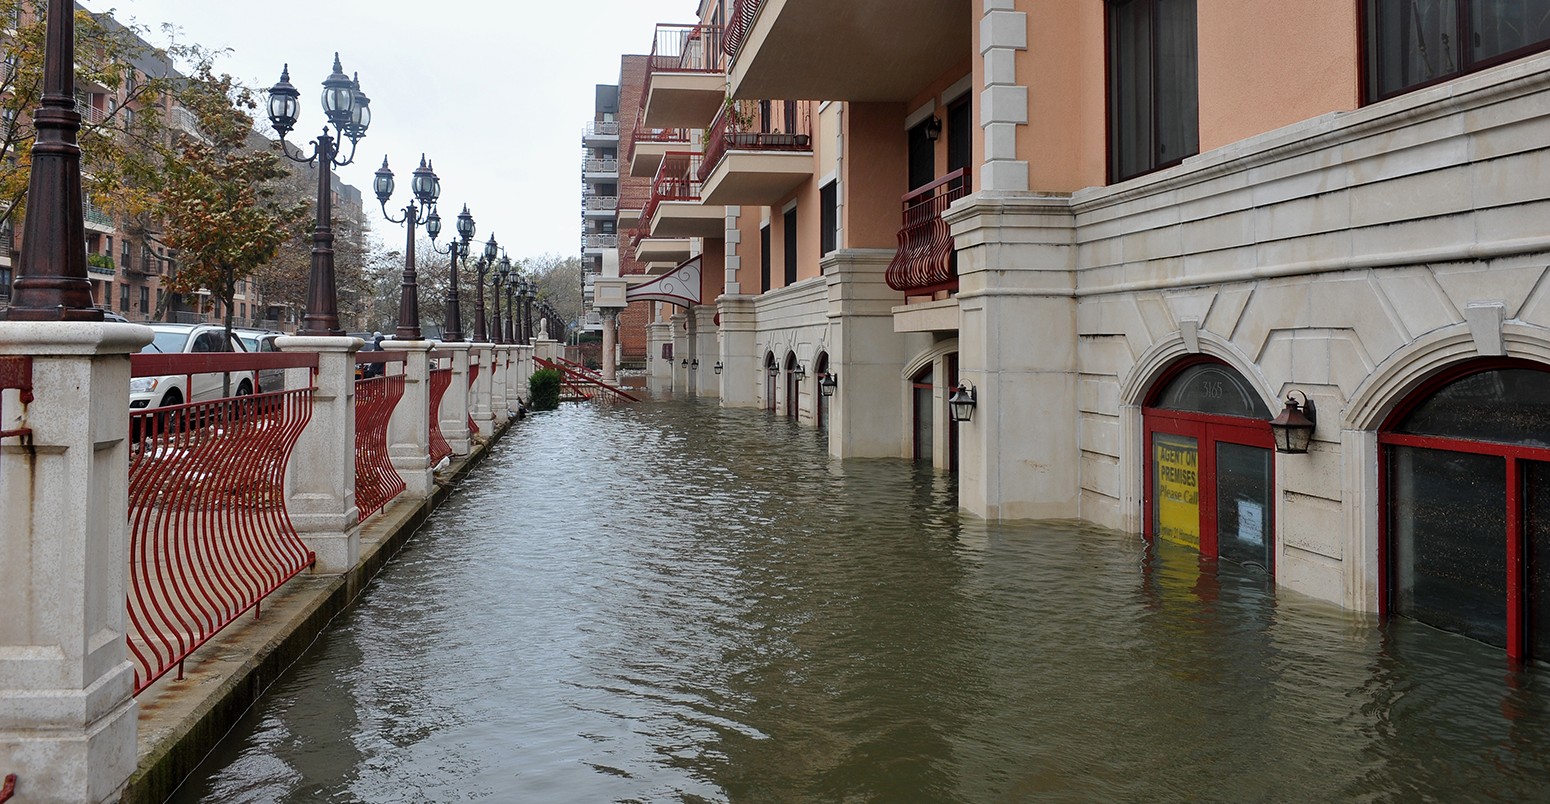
[51,283]
[528,293]
[502,273]
[458,250]
[426,189]
[481,334]
[511,312]
[349,112]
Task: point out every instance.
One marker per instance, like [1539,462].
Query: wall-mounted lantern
[1293,429]
[800,371]
[774,369]
[694,365]
[717,367]
[961,404]
[827,383]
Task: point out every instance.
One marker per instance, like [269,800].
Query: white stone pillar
[867,413]
[484,390]
[67,715]
[409,431]
[741,370]
[320,480]
[680,322]
[499,380]
[703,348]
[546,349]
[454,406]
[517,390]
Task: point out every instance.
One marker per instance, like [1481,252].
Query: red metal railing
[209,534]
[441,380]
[643,133]
[738,24]
[15,374]
[8,789]
[757,125]
[684,49]
[926,262]
[677,179]
[376,396]
[473,374]
[579,381]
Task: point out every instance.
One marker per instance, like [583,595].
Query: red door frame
[1513,454]
[1208,429]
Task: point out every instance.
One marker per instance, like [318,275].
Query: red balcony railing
[757,125]
[376,396]
[209,533]
[441,380]
[684,49]
[738,25]
[678,179]
[644,133]
[925,262]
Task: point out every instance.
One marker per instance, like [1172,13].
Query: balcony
[926,263]
[656,252]
[684,80]
[97,220]
[758,152]
[648,146]
[863,50]
[675,208]
[600,169]
[601,132]
[597,241]
[599,206]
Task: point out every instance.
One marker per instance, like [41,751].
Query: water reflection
[672,602]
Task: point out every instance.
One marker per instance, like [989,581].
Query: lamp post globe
[423,186]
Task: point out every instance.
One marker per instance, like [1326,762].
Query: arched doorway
[1465,473]
[770,370]
[792,386]
[923,412]
[821,402]
[1209,479]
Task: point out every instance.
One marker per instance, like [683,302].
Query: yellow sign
[1176,486]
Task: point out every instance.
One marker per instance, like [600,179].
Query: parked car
[174,389]
[261,341]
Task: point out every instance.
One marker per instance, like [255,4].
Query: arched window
[770,370]
[1209,479]
[1466,473]
[820,402]
[923,389]
[791,385]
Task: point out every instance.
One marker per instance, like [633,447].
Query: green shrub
[544,389]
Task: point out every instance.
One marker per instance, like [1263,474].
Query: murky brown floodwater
[672,602]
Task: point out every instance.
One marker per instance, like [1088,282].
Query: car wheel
[167,422]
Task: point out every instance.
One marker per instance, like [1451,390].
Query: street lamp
[51,283]
[349,112]
[458,250]
[426,188]
[491,248]
[502,273]
[511,313]
[528,292]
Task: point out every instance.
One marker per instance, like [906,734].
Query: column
[741,371]
[67,715]
[498,412]
[409,431]
[518,391]
[866,414]
[610,341]
[680,323]
[484,389]
[702,327]
[454,406]
[320,481]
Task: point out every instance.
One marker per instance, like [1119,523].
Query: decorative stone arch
[767,379]
[926,356]
[944,434]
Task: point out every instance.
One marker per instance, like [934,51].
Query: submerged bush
[544,389]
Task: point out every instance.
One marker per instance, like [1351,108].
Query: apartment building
[606,185]
[1134,233]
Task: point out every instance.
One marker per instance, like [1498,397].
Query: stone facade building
[1130,230]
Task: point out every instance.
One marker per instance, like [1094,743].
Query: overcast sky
[495,92]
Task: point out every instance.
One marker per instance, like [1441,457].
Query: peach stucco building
[1131,229]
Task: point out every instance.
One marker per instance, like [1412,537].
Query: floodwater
[670,602]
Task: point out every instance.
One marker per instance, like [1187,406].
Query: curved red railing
[578,382]
[15,373]
[926,262]
[441,380]
[376,481]
[756,125]
[209,533]
[8,789]
[738,24]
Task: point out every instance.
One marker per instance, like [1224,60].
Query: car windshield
[250,341]
[167,343]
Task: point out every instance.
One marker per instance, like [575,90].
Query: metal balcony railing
[677,179]
[602,166]
[90,114]
[600,241]
[601,202]
[738,24]
[685,49]
[758,125]
[926,262]
[603,128]
[643,133]
[95,215]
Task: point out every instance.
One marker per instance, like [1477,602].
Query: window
[1208,479]
[1154,93]
[1466,470]
[124,256]
[960,135]
[5,281]
[790,236]
[1412,44]
[123,298]
[828,217]
[764,258]
[145,300]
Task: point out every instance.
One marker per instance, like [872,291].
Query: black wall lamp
[933,126]
[717,367]
[801,372]
[962,403]
[1293,429]
[773,369]
[827,383]
[694,365]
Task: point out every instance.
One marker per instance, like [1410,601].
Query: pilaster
[67,712]
[320,481]
[484,389]
[867,410]
[740,370]
[702,330]
[501,354]
[454,405]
